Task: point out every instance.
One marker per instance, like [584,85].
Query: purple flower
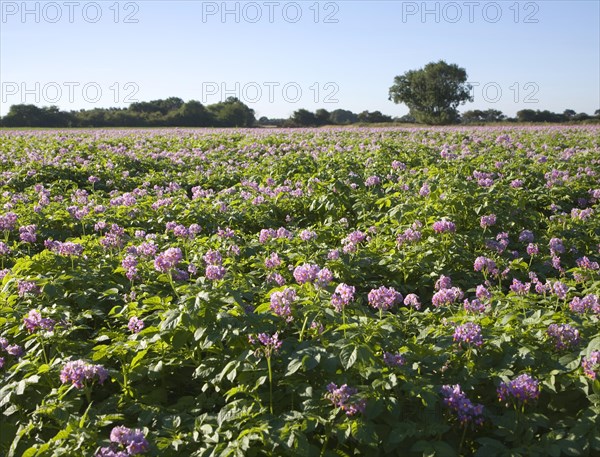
[277,278]
[532,249]
[78,372]
[522,389]
[324,277]
[4,249]
[520,288]
[468,333]
[487,221]
[556,246]
[306,273]
[444,226]
[588,303]
[8,222]
[465,410]
[215,272]
[474,306]
[129,263]
[15,350]
[273,261]
[384,298]
[486,265]
[424,191]
[133,441]
[446,296]
[281,302]
[412,300]
[28,287]
[342,296]
[341,398]
[393,360]
[564,336]
[372,181]
[34,321]
[526,236]
[306,235]
[591,364]
[560,290]
[213,257]
[168,260]
[587,264]
[333,254]
[269,344]
[482,293]
[443,282]
[135,324]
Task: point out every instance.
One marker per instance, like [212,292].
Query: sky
[279,56]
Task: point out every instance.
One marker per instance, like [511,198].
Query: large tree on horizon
[432,93]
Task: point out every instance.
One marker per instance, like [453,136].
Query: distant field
[311,292]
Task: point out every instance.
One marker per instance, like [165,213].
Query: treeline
[174,112]
[171,112]
[305,118]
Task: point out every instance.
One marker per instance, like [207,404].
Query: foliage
[314,292]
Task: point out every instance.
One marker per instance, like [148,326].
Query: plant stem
[270,385]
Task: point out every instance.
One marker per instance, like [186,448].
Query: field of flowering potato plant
[407,292]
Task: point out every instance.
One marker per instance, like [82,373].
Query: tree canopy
[432,93]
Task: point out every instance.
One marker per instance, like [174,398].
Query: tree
[432,93]
[490,115]
[322,116]
[232,113]
[343,116]
[304,118]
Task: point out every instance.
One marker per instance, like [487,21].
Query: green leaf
[348,356]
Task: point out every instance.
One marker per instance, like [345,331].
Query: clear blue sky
[305,54]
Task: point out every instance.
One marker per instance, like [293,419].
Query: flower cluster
[281,303]
[563,336]
[311,273]
[11,349]
[446,296]
[8,222]
[27,233]
[273,261]
[135,324]
[384,298]
[520,288]
[466,411]
[352,241]
[522,389]
[168,260]
[269,344]
[591,364]
[485,265]
[268,234]
[34,321]
[28,287]
[124,442]
[78,372]
[487,221]
[444,226]
[556,246]
[393,360]
[341,398]
[412,300]
[588,303]
[342,296]
[67,248]
[214,268]
[129,263]
[469,334]
[475,306]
